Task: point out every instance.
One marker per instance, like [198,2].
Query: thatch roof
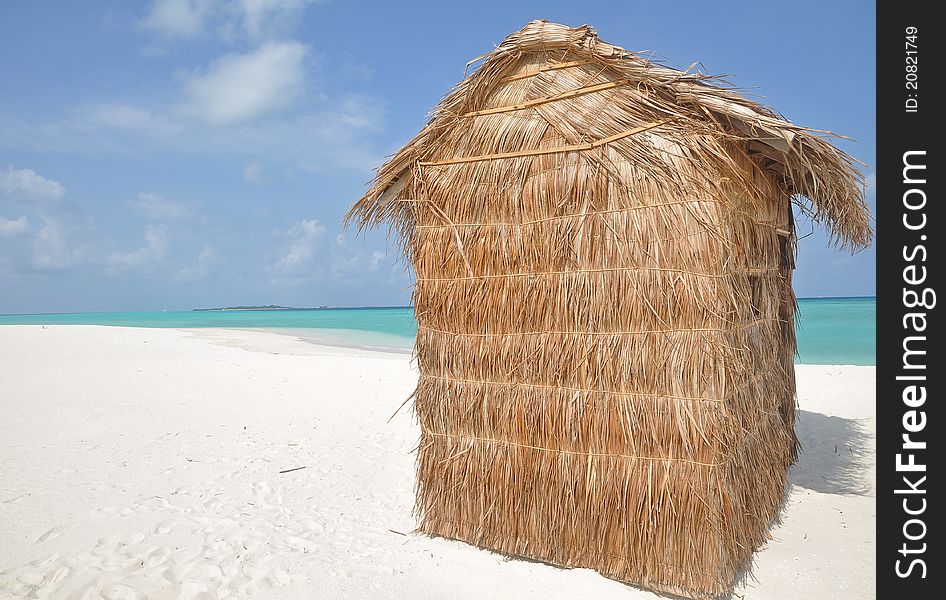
[694,109]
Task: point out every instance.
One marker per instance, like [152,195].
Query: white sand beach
[158,463]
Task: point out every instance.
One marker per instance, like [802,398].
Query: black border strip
[909,272]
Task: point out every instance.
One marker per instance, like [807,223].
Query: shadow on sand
[834,458]
[835,455]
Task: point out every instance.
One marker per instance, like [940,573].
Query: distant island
[278,307]
[264,307]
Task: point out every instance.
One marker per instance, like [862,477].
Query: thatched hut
[604,249]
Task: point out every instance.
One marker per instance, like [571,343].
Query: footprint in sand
[163,527]
[118,540]
[270,496]
[57,575]
[117,591]
[207,545]
[50,535]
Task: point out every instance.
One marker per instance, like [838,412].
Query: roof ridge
[810,166]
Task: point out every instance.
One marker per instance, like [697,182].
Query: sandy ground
[146,463]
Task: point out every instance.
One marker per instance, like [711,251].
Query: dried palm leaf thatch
[604,249]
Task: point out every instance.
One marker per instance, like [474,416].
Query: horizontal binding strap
[637,332]
[546,68]
[593,213]
[572,452]
[607,270]
[538,101]
[655,396]
[543,151]
[590,213]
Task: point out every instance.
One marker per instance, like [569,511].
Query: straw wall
[605,378]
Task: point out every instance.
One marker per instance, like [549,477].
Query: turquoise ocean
[831,331]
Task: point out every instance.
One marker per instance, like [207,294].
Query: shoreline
[298,333]
[166,462]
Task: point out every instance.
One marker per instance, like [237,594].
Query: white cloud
[238,87]
[304,237]
[156,206]
[124,261]
[70,133]
[136,119]
[250,18]
[177,18]
[262,17]
[342,131]
[375,261]
[351,263]
[155,248]
[54,235]
[28,184]
[345,265]
[205,260]
[157,238]
[228,109]
[311,228]
[253,172]
[359,112]
[57,243]
[12,227]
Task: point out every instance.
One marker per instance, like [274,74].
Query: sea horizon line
[305,308]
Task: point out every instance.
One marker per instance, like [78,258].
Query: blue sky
[186,153]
